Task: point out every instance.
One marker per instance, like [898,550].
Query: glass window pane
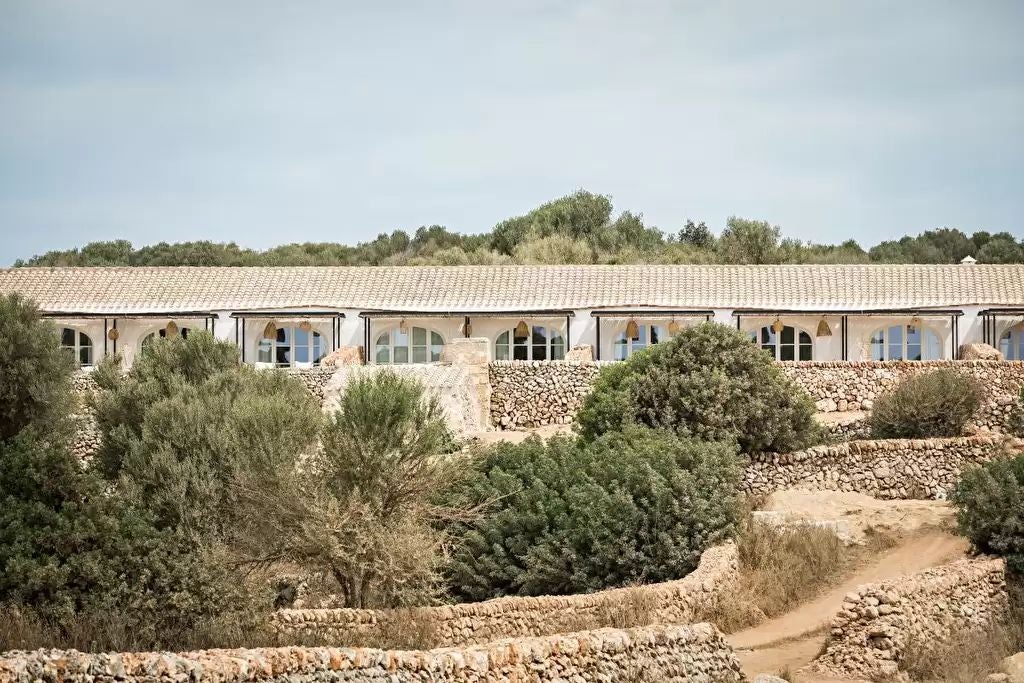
[383,354]
[419,353]
[788,334]
[540,352]
[805,338]
[401,338]
[436,339]
[282,335]
[435,352]
[913,335]
[519,352]
[619,347]
[1005,347]
[657,334]
[502,339]
[913,351]
[384,340]
[501,350]
[302,353]
[67,337]
[301,337]
[283,355]
[419,336]
[540,335]
[557,351]
[1019,347]
[932,346]
[263,354]
[767,336]
[401,354]
[85,355]
[806,352]
[318,347]
[787,352]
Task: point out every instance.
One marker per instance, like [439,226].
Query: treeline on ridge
[581,228]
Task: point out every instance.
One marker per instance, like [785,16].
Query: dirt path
[794,639]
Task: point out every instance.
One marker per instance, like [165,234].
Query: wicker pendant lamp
[305,326]
[171,330]
[778,326]
[270,331]
[632,329]
[823,329]
[674,327]
[522,329]
[403,326]
[113,334]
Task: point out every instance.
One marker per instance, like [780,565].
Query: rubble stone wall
[690,599]
[526,394]
[889,468]
[697,652]
[870,634]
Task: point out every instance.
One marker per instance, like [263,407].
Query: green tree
[581,215]
[990,509]
[570,517]
[709,382]
[364,515]
[1001,248]
[747,241]
[35,373]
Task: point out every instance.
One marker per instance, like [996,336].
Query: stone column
[473,354]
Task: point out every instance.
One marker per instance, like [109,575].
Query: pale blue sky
[273,122]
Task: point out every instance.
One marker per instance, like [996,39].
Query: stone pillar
[473,354]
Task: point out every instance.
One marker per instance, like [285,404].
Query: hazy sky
[273,122]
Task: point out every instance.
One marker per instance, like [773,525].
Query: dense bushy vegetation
[932,404]
[990,509]
[579,228]
[708,382]
[569,516]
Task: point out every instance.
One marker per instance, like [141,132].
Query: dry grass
[968,657]
[780,568]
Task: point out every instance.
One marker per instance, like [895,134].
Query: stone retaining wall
[663,653]
[870,634]
[526,394]
[890,468]
[690,599]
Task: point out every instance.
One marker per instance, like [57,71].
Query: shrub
[568,516]
[363,512]
[709,382]
[990,509]
[1015,424]
[35,373]
[931,404]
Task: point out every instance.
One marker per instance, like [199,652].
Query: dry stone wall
[527,394]
[690,599]
[870,634]
[663,653]
[890,468]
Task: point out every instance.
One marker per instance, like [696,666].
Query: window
[78,345]
[292,346]
[395,346]
[540,343]
[791,343]
[905,342]
[148,339]
[646,335]
[1011,344]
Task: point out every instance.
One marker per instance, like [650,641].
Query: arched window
[292,346]
[539,343]
[905,342]
[623,347]
[148,339]
[791,343]
[416,345]
[1011,344]
[78,345]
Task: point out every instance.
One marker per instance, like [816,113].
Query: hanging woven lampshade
[270,331]
[522,329]
[403,327]
[674,327]
[915,321]
[171,330]
[823,329]
[632,329]
[113,334]
[305,326]
[778,326]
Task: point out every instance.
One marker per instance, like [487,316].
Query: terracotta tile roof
[126,291]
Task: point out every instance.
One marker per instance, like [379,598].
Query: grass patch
[966,657]
[781,567]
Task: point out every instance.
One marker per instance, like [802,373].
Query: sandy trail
[794,639]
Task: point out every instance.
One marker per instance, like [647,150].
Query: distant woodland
[577,229]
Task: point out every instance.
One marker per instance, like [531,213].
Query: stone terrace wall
[890,468]
[870,634]
[526,394]
[687,600]
[663,653]
[840,386]
[87,433]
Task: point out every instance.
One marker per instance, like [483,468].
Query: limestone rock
[1013,667]
[584,353]
[978,351]
[346,355]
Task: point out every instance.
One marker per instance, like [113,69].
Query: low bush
[569,516]
[939,403]
[990,509]
[709,382]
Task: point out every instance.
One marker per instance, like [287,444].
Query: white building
[293,316]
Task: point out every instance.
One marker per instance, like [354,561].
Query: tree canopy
[582,227]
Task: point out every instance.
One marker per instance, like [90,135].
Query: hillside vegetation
[580,228]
